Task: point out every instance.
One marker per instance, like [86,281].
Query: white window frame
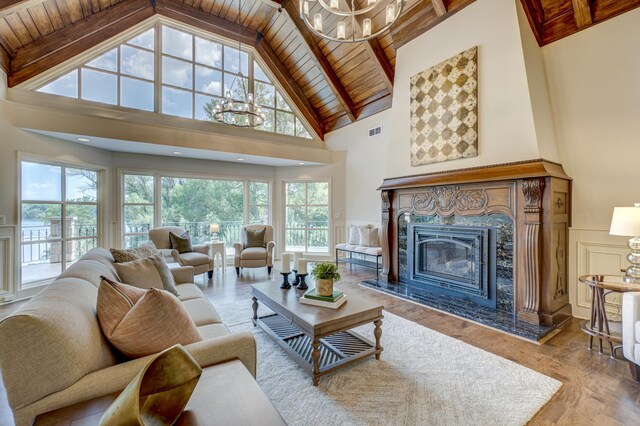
[157,205]
[306,229]
[29,289]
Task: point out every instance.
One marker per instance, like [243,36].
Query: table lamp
[626,222]
[214,228]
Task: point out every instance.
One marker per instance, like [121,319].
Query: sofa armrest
[183,275]
[238,247]
[240,346]
[270,248]
[630,318]
[201,248]
[170,255]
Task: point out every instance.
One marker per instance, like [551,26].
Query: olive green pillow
[182,243]
[255,238]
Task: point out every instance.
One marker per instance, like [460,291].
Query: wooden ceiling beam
[439,7]
[200,19]
[62,45]
[321,61]
[8,7]
[287,82]
[582,13]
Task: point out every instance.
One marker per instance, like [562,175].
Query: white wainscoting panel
[9,263]
[594,252]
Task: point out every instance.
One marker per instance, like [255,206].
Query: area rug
[423,378]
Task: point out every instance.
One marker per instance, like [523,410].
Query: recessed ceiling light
[301,164]
[177,153]
[240,159]
[83,139]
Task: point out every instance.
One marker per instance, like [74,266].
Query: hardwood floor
[597,390]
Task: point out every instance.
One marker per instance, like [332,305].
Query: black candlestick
[302,285]
[285,280]
[296,278]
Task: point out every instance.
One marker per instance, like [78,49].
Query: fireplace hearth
[485,243]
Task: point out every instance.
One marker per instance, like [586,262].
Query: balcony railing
[42,243]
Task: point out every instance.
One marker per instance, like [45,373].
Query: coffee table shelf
[335,350]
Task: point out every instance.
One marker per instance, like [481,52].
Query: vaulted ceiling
[332,84]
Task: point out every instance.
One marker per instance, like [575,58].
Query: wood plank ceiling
[332,84]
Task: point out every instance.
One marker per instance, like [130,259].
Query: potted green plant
[325,274]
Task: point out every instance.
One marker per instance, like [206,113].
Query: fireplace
[459,261]
[485,243]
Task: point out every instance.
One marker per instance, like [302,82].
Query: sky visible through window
[195,73]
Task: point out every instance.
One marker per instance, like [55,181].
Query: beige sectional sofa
[53,353]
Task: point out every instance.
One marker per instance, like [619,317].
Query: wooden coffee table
[319,339]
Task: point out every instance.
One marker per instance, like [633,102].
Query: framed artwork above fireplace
[444,110]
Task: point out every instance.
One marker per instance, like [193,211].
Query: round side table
[217,248]
[599,325]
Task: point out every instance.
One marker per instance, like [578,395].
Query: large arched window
[172,71]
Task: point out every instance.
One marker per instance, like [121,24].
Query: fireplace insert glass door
[455,260]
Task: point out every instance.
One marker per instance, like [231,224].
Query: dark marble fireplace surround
[524,211]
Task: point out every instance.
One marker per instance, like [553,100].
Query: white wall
[594,82]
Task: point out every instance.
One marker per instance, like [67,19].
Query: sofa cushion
[90,271]
[211,331]
[141,323]
[201,312]
[150,272]
[52,341]
[254,253]
[254,237]
[182,243]
[189,291]
[194,259]
[360,249]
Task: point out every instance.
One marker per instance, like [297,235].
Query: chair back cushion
[53,340]
[268,233]
[160,236]
[181,242]
[255,238]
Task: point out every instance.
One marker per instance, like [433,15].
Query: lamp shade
[625,222]
[214,227]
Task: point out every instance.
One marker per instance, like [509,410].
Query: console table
[599,326]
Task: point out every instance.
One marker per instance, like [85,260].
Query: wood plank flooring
[597,390]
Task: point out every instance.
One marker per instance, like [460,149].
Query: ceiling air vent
[375,131]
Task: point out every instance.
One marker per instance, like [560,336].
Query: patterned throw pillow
[141,323]
[255,238]
[128,255]
[182,243]
[149,272]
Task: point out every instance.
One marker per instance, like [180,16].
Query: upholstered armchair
[198,258]
[254,257]
[631,331]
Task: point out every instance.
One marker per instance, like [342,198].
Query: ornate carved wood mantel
[536,194]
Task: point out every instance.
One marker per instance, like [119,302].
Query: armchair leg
[210,273]
[635,371]
[238,271]
[269,270]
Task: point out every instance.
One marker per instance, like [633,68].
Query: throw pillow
[354,236]
[141,323]
[150,272]
[255,238]
[182,243]
[128,255]
[368,237]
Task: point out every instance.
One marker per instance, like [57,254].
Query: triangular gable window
[191,74]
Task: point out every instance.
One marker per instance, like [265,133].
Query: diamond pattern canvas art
[444,110]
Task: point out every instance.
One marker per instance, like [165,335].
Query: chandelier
[346,15]
[234,112]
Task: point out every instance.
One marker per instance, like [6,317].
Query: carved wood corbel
[387,236]
[533,190]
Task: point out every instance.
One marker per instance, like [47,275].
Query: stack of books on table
[334,301]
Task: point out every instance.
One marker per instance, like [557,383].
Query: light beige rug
[423,378]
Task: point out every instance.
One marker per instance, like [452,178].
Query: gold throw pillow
[141,323]
[150,272]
